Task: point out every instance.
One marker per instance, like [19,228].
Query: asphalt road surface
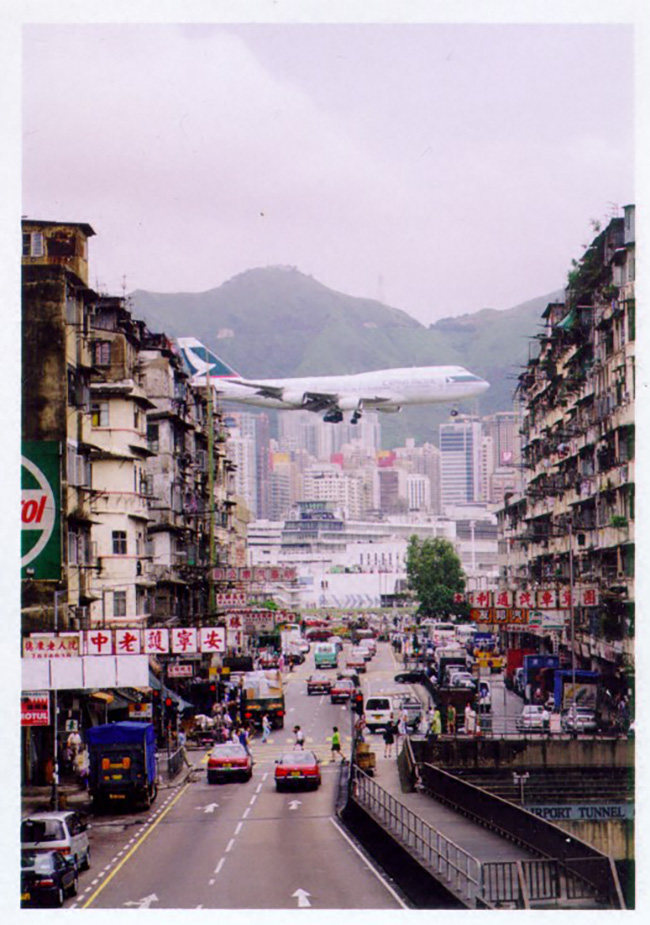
[243,845]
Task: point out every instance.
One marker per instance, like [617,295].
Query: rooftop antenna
[124,285]
[614,209]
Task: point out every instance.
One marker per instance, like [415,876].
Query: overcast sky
[438,168]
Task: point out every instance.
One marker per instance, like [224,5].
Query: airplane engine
[293,397]
[389,409]
[348,403]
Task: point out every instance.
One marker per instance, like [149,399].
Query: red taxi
[342,690]
[229,761]
[299,768]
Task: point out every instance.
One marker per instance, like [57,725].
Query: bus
[326,655]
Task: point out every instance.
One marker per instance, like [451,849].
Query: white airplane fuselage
[404,386]
[386,390]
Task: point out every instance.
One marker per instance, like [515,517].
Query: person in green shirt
[336,742]
[435,727]
[451,719]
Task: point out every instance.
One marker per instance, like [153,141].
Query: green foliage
[435,574]
[277,321]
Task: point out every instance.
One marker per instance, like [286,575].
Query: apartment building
[572,526]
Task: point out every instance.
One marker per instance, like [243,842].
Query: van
[380,709]
[50,831]
[325,655]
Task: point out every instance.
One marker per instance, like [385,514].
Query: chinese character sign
[127,642]
[99,642]
[156,641]
[184,639]
[524,599]
[212,639]
[503,598]
[51,645]
[547,599]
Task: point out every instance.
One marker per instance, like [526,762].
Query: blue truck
[122,764]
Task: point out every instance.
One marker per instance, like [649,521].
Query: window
[152,437]
[102,352]
[119,542]
[73,547]
[119,603]
[99,413]
[33,244]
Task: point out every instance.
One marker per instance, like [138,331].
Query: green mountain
[277,321]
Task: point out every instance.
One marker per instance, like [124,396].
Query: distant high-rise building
[460,449]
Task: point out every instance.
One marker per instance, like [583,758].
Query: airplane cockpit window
[463,377]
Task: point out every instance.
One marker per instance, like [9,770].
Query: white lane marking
[211,882]
[259,787]
[367,863]
[246,812]
[266,774]
[219,865]
[252,799]
[238,828]
[229,845]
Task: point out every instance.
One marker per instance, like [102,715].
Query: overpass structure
[482,850]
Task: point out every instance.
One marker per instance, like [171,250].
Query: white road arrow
[294,805]
[302,898]
[146,901]
[210,808]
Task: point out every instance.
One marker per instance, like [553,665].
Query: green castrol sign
[40,503]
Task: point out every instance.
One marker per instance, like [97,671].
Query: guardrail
[171,763]
[580,863]
[458,870]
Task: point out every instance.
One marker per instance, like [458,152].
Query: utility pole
[572,615]
[55,710]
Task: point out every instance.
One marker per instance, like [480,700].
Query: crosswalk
[281,741]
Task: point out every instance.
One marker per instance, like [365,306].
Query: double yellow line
[126,857]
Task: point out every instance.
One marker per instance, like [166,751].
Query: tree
[435,574]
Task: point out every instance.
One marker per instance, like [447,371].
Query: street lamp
[521,780]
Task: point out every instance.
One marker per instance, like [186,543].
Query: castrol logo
[37,513]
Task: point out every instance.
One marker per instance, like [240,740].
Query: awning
[567,322]
[102,695]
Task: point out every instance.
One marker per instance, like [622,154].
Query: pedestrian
[451,720]
[470,719]
[281,662]
[546,720]
[266,727]
[389,737]
[234,735]
[435,727]
[242,736]
[336,743]
[82,766]
[300,737]
[360,728]
[401,729]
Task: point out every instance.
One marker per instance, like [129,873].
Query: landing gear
[334,416]
[355,417]
[453,413]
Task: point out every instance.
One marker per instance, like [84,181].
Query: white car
[579,720]
[64,831]
[531,719]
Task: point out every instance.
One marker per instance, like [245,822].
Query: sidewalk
[471,837]
[36,798]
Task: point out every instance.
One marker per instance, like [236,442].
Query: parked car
[318,684]
[413,708]
[342,690]
[298,768]
[66,832]
[411,676]
[227,762]
[46,878]
[580,719]
[531,718]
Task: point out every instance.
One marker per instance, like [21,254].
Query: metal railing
[171,763]
[449,863]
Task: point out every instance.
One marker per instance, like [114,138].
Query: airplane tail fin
[201,361]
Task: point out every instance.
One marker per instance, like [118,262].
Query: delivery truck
[122,764]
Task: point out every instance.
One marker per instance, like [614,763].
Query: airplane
[385,390]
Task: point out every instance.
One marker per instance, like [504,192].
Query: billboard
[40,510]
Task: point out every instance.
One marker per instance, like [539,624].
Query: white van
[380,709]
[64,831]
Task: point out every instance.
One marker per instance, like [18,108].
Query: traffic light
[358,703]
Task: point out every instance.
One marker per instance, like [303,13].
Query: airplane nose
[485,385]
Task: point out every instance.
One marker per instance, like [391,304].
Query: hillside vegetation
[277,321]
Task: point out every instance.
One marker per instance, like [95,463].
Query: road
[243,845]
